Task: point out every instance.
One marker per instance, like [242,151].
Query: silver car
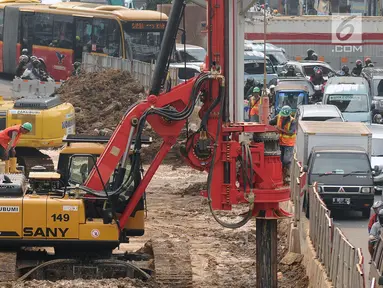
[319,112]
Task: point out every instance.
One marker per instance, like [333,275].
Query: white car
[191,54]
[306,68]
[185,73]
[319,112]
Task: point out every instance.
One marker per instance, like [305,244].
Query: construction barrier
[142,71]
[342,261]
[33,88]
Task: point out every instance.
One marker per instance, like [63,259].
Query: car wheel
[366,213]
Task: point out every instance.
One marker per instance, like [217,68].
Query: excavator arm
[247,172]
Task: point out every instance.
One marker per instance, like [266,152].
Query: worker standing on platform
[9,138]
[286,126]
[254,103]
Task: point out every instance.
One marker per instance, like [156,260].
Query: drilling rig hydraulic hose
[165,112]
[245,155]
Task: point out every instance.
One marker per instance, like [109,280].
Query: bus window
[114,39]
[99,35]
[26,31]
[43,30]
[63,31]
[83,37]
[1,24]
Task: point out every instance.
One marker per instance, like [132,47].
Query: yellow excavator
[51,119]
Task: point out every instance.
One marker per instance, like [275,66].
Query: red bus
[60,33]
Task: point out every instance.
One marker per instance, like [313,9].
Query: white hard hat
[272,86]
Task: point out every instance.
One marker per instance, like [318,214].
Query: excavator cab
[77,158]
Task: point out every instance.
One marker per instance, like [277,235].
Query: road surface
[355,228]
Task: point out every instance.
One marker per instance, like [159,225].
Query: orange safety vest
[284,139]
[254,106]
[4,137]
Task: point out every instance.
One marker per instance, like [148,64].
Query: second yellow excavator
[51,119]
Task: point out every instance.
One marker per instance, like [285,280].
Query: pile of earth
[100,98]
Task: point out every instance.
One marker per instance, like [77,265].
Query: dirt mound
[174,156]
[80,283]
[291,272]
[101,98]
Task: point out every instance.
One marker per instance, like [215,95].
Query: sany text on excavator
[85,221]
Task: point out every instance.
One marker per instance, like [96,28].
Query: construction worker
[254,102]
[286,125]
[9,138]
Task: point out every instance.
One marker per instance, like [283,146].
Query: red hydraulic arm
[248,172]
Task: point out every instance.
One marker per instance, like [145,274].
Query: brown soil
[100,98]
[220,257]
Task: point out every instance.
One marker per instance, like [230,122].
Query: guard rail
[342,261]
[142,71]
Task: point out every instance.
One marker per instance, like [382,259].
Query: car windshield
[349,102]
[377,147]
[322,118]
[296,68]
[309,70]
[185,74]
[378,87]
[257,68]
[142,45]
[339,163]
[277,58]
[290,98]
[192,55]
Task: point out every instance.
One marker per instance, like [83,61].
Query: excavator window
[79,168]
[81,165]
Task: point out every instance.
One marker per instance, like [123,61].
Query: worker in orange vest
[9,138]
[254,103]
[286,125]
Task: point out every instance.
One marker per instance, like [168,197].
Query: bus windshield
[143,40]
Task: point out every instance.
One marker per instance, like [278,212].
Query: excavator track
[7,266]
[172,263]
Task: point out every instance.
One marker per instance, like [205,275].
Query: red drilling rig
[248,172]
